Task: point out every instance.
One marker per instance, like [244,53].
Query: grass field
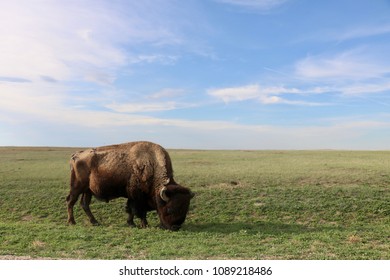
[248,205]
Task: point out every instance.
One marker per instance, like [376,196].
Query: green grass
[248,205]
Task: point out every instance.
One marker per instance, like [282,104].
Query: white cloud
[355,73]
[167,93]
[166,99]
[142,107]
[265,95]
[34,98]
[153,58]
[365,88]
[47,39]
[50,103]
[22,106]
[90,128]
[77,40]
[258,5]
[236,93]
[357,64]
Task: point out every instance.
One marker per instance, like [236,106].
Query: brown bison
[139,171]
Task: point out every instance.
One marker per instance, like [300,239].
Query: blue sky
[205,74]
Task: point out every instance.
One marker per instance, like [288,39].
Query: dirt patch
[229,185]
[38,244]
[354,239]
[27,218]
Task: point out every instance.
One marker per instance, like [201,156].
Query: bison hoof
[71,222]
[131,223]
[175,228]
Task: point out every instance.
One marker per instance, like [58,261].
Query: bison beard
[139,171]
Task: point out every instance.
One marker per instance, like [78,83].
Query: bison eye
[169,211]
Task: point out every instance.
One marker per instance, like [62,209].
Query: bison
[139,171]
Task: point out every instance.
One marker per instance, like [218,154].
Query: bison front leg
[144,222]
[85,201]
[70,201]
[141,213]
[130,210]
[133,210]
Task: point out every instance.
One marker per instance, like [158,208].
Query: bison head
[173,202]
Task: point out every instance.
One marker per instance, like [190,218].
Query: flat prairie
[248,205]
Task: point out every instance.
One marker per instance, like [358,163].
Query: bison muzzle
[139,171]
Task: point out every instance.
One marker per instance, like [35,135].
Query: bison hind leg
[85,201]
[70,201]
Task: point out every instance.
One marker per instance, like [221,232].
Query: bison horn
[163,194]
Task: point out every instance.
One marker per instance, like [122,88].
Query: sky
[196,74]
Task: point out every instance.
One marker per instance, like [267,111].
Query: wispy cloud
[153,58]
[265,95]
[53,103]
[57,114]
[142,107]
[255,5]
[365,88]
[167,93]
[54,108]
[352,65]
[77,40]
[359,32]
[355,73]
[236,93]
[166,99]
[42,51]
[14,80]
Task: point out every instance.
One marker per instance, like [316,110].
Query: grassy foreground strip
[248,205]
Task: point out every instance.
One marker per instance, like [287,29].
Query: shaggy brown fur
[139,171]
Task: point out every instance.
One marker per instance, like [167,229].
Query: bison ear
[163,194]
